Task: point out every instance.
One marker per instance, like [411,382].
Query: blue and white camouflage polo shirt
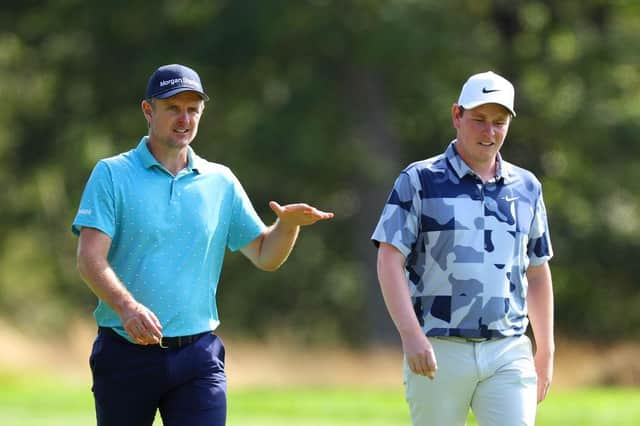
[467,244]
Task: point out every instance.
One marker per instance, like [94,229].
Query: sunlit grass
[31,401]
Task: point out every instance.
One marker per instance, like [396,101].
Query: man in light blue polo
[153,226]
[462,263]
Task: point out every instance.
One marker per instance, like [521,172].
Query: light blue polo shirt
[169,233]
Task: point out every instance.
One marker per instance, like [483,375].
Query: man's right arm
[138,321]
[417,348]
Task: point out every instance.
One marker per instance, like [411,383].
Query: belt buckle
[162,344]
[476,339]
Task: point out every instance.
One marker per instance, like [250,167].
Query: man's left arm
[540,305]
[272,248]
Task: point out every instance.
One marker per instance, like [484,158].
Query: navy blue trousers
[131,382]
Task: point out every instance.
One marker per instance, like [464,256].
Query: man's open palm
[299,214]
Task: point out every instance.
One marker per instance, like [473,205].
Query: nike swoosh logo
[510,199]
[485,90]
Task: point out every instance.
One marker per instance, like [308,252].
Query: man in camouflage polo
[463,250]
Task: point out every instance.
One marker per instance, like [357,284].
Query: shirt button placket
[172,196]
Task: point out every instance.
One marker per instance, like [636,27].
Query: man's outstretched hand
[299,214]
[269,251]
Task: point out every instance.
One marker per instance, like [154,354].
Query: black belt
[176,342]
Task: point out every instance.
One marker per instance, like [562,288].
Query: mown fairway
[38,401]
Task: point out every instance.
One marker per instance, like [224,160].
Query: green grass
[31,401]
[317,407]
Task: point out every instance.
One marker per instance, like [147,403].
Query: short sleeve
[245,225]
[539,248]
[399,222]
[97,205]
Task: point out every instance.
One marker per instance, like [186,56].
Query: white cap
[487,88]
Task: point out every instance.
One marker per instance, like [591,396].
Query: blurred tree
[323,101]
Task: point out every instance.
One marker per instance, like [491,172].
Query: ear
[455,115]
[147,110]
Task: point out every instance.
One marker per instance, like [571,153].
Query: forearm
[272,248]
[417,349]
[395,292]
[138,321]
[104,283]
[540,306]
[276,245]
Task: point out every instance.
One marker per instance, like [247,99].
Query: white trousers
[496,379]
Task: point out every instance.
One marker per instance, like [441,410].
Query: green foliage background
[323,101]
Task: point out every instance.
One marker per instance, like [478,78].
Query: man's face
[480,133]
[173,122]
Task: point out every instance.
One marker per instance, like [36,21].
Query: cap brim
[472,105]
[173,92]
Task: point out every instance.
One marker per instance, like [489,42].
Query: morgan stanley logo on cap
[169,80]
[487,88]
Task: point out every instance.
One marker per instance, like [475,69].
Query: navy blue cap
[169,80]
